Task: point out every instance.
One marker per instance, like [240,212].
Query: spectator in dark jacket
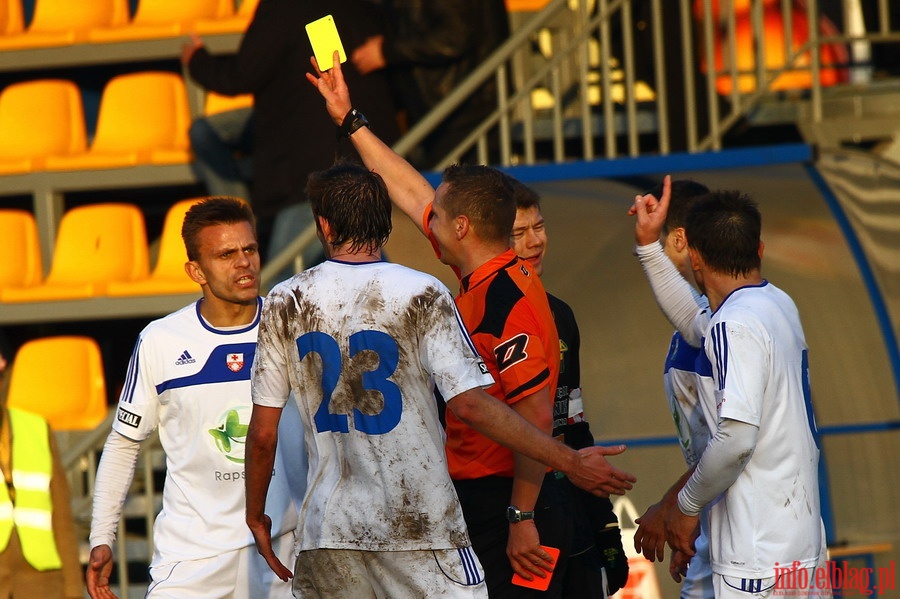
[429,48]
[291,138]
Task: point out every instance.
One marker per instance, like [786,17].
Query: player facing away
[662,251]
[468,219]
[363,344]
[189,377]
[759,471]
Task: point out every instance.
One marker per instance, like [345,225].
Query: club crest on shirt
[235,362]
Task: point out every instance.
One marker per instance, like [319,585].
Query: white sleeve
[114,475]
[722,461]
[270,384]
[685,308]
[447,351]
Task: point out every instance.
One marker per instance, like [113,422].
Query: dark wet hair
[355,202]
[724,227]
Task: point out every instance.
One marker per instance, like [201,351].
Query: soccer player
[189,376]
[597,565]
[759,472]
[662,251]
[363,343]
[504,307]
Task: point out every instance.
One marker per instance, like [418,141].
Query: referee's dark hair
[484,195]
[356,204]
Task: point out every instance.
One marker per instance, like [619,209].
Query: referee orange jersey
[504,307]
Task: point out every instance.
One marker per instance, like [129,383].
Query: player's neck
[222,314]
[344,253]
[477,254]
[719,286]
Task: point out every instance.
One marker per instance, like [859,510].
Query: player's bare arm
[98,572]
[407,187]
[587,468]
[262,439]
[523,546]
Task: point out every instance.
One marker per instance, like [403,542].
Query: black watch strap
[353,121]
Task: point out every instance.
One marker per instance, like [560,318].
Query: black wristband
[352,121]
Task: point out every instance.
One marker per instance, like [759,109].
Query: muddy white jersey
[363,347]
[192,382]
[758,352]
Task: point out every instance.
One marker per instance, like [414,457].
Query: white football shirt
[192,381]
[758,352]
[363,346]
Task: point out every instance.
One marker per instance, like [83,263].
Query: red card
[541,584]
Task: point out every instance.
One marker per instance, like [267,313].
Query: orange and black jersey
[505,309]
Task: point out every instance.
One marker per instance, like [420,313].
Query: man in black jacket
[290,137]
[428,49]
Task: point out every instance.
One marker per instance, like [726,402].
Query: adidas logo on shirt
[184,358]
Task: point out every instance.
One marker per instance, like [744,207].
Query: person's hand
[2,363]
[369,56]
[526,556]
[262,534]
[188,49]
[596,475]
[678,565]
[98,572]
[650,537]
[333,88]
[651,214]
[681,531]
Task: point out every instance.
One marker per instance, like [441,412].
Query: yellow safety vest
[32,515]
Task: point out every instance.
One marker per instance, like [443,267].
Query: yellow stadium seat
[19,234]
[39,119]
[216,103]
[61,379]
[11,20]
[168,275]
[163,18]
[144,118]
[235,24]
[64,22]
[96,244]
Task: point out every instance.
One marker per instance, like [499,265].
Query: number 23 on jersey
[333,366]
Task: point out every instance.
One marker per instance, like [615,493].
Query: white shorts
[329,573]
[241,574]
[799,584]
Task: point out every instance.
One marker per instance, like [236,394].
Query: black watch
[353,121]
[514,514]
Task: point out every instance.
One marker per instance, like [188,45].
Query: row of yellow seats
[143,120]
[101,250]
[66,22]
[74,397]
